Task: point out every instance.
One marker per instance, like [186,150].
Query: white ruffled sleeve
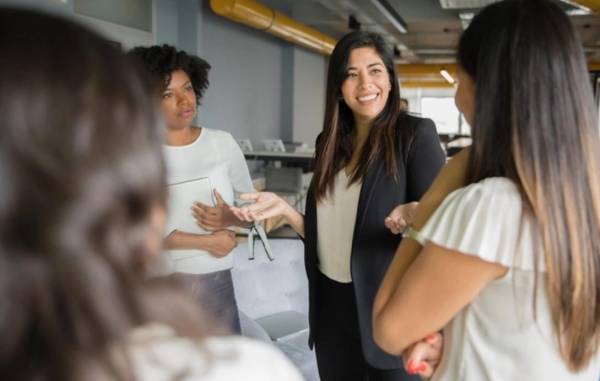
[484,219]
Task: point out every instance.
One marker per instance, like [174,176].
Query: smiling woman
[370,158]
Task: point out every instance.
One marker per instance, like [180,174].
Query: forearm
[450,178]
[295,219]
[179,240]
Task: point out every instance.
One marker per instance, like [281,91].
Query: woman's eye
[189,88]
[351,75]
[375,71]
[167,95]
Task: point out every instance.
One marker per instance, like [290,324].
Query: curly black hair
[162,60]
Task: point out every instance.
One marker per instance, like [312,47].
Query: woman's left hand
[214,217]
[423,357]
[401,217]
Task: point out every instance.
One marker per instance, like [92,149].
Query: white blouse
[336,217]
[158,354]
[498,336]
[216,156]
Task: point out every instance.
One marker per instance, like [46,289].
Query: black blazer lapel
[366,194]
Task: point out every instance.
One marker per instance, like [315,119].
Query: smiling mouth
[367,98]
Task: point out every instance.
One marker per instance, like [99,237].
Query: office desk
[290,159]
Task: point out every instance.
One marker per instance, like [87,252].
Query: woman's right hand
[400,217]
[265,205]
[221,243]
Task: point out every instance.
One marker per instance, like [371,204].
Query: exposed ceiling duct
[390,13]
[258,16]
[370,17]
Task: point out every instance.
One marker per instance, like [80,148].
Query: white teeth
[367,98]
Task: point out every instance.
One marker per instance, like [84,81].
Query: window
[446,116]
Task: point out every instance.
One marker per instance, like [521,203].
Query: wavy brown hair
[536,124]
[336,142]
[81,169]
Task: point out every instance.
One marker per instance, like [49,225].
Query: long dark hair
[535,123]
[336,143]
[81,169]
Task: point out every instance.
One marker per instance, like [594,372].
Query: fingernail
[411,367]
[430,338]
[422,367]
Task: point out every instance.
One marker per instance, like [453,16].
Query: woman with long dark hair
[522,234]
[81,219]
[370,157]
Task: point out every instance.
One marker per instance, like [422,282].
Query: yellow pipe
[256,15]
[593,5]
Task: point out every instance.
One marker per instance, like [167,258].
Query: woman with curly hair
[193,152]
[81,220]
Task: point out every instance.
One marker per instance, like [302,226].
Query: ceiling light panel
[465,4]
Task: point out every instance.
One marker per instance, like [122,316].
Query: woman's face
[465,95]
[367,85]
[179,101]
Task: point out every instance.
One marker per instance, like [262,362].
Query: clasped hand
[423,357]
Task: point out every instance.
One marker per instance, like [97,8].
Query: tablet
[181,197]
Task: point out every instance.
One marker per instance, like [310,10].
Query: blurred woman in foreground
[81,219]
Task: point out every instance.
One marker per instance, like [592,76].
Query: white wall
[244,96]
[309,81]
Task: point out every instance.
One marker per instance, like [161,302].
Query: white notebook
[182,196]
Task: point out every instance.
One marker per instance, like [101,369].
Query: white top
[216,155]
[336,216]
[157,354]
[497,336]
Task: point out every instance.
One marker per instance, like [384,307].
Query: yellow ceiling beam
[259,16]
[593,5]
[428,75]
[425,84]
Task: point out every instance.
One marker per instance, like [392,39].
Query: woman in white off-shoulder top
[508,266]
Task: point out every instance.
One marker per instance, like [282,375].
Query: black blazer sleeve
[424,160]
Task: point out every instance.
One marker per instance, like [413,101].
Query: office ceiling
[432,26]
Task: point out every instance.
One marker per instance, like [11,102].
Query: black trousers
[337,338]
[215,293]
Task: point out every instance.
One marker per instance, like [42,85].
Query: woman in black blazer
[370,158]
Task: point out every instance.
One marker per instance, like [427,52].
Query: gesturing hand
[213,217]
[423,357]
[400,217]
[266,205]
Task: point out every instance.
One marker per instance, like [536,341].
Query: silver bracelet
[412,233]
